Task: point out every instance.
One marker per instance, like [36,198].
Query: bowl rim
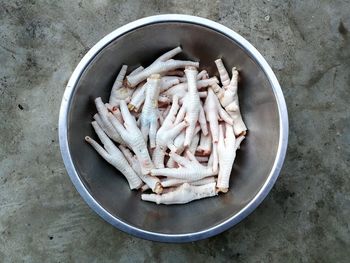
[155,236]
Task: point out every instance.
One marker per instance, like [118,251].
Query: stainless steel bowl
[257,165]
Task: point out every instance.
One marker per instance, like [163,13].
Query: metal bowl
[258,162]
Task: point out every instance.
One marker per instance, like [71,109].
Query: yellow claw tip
[126,83]
[190,68]
[243,133]
[222,190]
[158,189]
[155,76]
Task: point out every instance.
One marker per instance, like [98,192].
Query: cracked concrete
[304,219]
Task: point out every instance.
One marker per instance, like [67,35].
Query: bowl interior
[254,160]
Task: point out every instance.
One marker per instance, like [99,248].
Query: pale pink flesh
[176,130]
[214,112]
[229,100]
[225,79]
[170,182]
[181,89]
[162,64]
[150,114]
[103,121]
[205,143]
[189,168]
[191,108]
[152,181]
[183,194]
[227,147]
[118,83]
[132,135]
[113,155]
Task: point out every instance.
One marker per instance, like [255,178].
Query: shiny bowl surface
[258,162]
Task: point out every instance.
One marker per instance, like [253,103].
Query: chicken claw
[192,110]
[113,155]
[133,137]
[227,147]
[150,113]
[162,64]
[189,169]
[183,194]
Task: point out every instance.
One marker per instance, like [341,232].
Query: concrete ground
[304,219]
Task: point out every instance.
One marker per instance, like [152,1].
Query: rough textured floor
[304,219]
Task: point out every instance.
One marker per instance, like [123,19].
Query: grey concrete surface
[304,219]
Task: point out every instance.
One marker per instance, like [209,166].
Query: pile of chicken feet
[172,131]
